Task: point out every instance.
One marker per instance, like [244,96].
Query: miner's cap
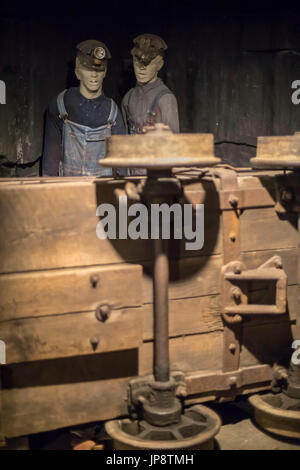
[93,54]
[147,47]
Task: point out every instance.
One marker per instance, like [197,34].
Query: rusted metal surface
[276,415]
[197,384]
[269,271]
[159,148]
[231,253]
[196,430]
[278,152]
[161,311]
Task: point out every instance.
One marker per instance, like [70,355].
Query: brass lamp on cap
[93,54]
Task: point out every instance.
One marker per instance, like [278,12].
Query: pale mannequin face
[147,73]
[90,80]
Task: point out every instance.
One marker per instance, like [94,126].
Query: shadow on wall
[9,169]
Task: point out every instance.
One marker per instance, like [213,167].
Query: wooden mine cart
[76,311]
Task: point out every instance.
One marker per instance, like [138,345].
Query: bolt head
[94,279]
[236,293]
[233,200]
[103,312]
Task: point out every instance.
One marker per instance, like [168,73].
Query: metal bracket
[235,303]
[139,390]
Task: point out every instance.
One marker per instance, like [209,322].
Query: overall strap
[61,105]
[113,113]
[129,97]
[156,100]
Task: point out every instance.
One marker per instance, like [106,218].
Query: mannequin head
[147,55]
[91,80]
[91,67]
[147,73]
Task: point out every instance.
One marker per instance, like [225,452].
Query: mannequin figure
[79,119]
[150,101]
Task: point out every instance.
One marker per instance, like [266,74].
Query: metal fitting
[237,268]
[233,200]
[103,312]
[94,279]
[232,236]
[287,195]
[94,340]
[236,293]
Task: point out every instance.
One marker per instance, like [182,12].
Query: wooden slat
[37,409]
[262,229]
[197,276]
[70,335]
[187,316]
[53,225]
[68,290]
[189,277]
[267,343]
[187,353]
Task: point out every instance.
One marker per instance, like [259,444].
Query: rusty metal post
[161,313]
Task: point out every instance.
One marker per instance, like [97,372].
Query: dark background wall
[231,67]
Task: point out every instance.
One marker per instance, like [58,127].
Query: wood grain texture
[37,409]
[53,225]
[187,353]
[187,316]
[69,290]
[70,335]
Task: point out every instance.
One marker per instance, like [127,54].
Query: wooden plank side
[266,344]
[70,335]
[37,409]
[69,290]
[187,353]
[197,276]
[262,229]
[187,316]
[53,225]
[189,277]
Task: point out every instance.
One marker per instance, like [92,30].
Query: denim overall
[83,146]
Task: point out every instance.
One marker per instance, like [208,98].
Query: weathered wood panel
[70,335]
[197,276]
[268,343]
[187,316]
[262,229]
[69,290]
[54,225]
[37,409]
[187,353]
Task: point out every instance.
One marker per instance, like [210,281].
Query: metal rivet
[103,312]
[232,236]
[94,279]
[287,195]
[94,340]
[232,347]
[233,200]
[232,381]
[236,293]
[237,268]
